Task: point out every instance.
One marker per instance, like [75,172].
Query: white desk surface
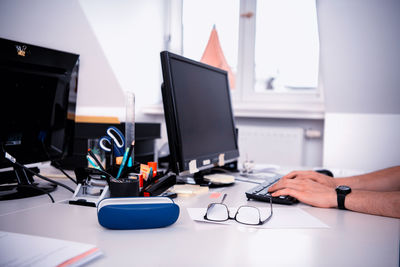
[353,239]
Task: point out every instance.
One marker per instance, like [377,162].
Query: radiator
[271,145]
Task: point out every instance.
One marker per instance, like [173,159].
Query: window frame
[246,101]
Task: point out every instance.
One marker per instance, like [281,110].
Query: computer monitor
[198,113]
[38,88]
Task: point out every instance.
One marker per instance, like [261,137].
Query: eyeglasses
[219,212]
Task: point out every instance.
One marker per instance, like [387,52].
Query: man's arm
[382,180]
[377,203]
[320,195]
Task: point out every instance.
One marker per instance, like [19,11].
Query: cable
[45,178]
[57,165]
[105,173]
[66,174]
[38,188]
[14,161]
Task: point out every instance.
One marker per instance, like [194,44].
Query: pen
[130,152]
[112,152]
[92,162]
[121,167]
[96,159]
[126,157]
[150,174]
[89,158]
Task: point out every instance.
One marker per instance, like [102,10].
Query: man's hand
[307,191]
[312,175]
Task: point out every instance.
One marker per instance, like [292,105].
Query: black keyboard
[260,192]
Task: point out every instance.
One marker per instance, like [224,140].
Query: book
[28,250]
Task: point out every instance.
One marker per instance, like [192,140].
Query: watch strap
[340,200]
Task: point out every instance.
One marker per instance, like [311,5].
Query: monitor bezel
[178,163]
[20,58]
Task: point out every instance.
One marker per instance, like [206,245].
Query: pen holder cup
[113,170]
[124,187]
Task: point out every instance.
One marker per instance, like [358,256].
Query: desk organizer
[137,212]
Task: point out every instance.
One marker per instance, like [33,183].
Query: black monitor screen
[198,112]
[37,96]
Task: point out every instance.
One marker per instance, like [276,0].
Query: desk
[353,239]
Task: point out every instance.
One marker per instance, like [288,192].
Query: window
[272,47]
[286,46]
[196,35]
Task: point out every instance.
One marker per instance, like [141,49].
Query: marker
[140,181]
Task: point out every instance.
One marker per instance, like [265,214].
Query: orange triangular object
[214,56]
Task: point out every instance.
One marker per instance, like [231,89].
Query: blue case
[137,212]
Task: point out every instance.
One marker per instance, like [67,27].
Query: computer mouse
[325,171]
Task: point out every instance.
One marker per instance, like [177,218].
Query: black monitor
[38,88]
[198,113]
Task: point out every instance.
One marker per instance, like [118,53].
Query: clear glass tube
[130,121]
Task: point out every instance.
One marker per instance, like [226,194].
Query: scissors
[113,139]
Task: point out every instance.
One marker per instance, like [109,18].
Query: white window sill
[264,110]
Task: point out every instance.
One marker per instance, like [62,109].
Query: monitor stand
[19,183]
[229,167]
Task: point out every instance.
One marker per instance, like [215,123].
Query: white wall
[360,55]
[360,62]
[362,141]
[131,35]
[118,42]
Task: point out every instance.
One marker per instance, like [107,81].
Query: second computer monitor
[198,112]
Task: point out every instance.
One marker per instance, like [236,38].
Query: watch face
[343,188]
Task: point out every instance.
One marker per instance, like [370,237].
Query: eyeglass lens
[248,215]
[217,212]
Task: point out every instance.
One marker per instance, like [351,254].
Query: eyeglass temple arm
[270,215]
[223,198]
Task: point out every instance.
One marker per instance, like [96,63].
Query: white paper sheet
[28,250]
[281,218]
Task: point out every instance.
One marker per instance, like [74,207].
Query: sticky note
[221,159]
[193,166]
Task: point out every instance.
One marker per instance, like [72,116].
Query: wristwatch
[342,191]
